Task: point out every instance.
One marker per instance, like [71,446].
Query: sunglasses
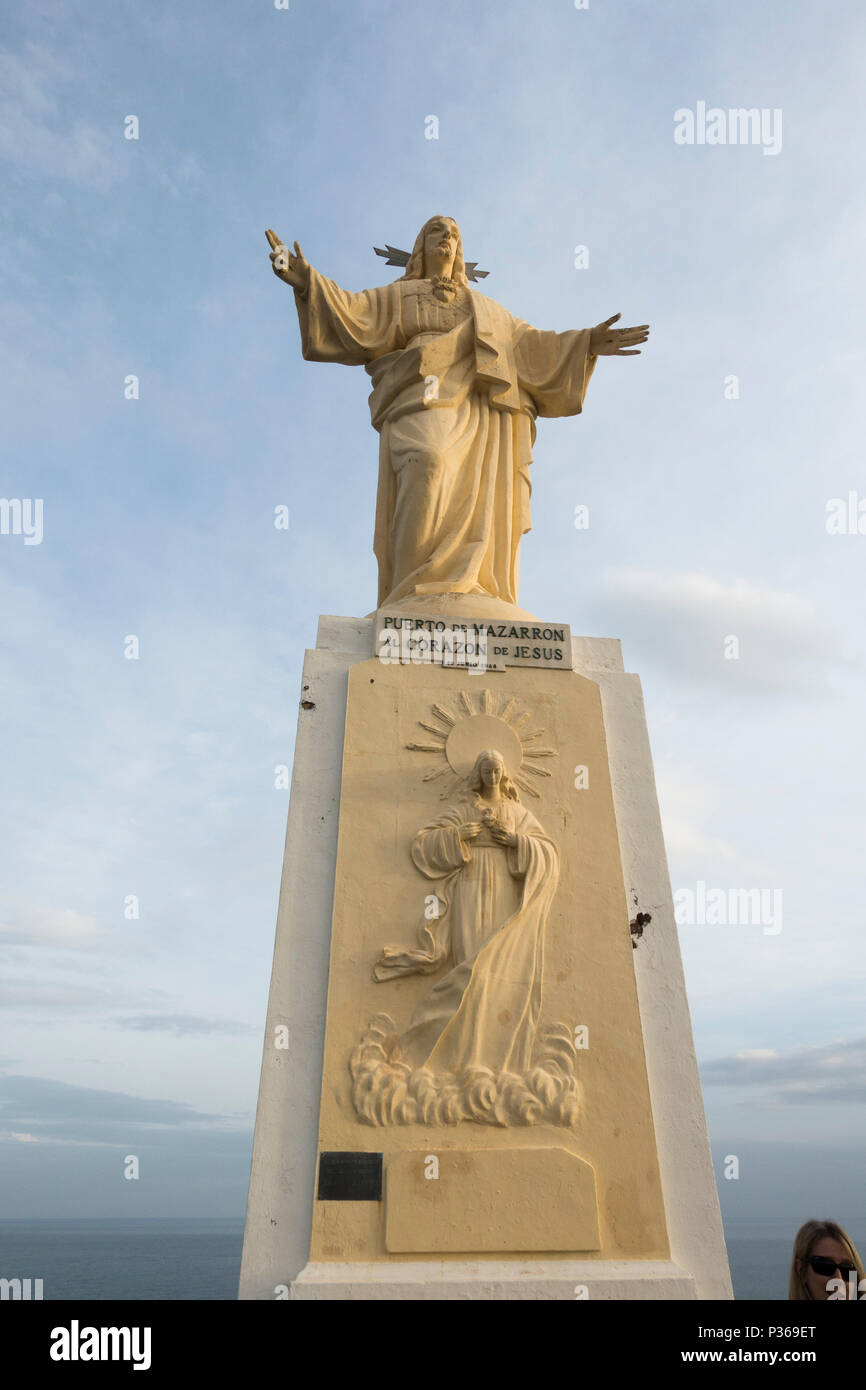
[822,1264]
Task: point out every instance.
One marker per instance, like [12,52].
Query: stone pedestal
[592,1176]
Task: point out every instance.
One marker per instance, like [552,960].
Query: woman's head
[822,1251]
[438,250]
[490,771]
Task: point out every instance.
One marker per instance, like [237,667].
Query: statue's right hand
[294,269]
[470,830]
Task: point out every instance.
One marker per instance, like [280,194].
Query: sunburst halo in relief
[483,720]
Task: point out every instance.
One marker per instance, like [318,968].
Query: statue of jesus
[458,382]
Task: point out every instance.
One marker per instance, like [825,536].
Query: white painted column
[688,1182]
[282,1180]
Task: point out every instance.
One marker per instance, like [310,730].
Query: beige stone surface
[501,1200]
[388,790]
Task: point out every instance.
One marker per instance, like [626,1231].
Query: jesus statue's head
[438,251]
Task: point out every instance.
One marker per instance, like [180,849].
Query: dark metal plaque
[350,1177]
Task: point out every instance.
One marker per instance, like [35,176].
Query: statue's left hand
[605,341]
[503,836]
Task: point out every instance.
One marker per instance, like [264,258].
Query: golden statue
[458,382]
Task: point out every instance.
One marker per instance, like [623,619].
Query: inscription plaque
[350,1177]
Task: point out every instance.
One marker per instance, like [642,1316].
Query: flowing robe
[484,1012]
[456,391]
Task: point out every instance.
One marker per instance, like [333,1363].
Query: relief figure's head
[491,774]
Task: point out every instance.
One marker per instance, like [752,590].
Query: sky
[142,829]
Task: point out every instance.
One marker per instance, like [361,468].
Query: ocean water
[761,1262]
[201,1259]
[140,1259]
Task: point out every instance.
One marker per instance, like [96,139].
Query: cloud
[36,131]
[186,1171]
[685,621]
[687,803]
[51,927]
[45,1108]
[832,1074]
[53,1141]
[182,1025]
[64,994]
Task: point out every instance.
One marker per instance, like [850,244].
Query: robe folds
[456,392]
[495,899]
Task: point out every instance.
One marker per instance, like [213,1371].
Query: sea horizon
[96,1258]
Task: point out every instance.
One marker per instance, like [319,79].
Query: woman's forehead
[827,1245]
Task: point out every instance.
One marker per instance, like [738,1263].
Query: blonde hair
[474,783]
[804,1243]
[415,264]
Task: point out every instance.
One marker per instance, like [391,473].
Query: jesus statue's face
[440,247]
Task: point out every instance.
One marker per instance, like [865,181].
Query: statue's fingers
[273,239]
[627,352]
[298,252]
[613,318]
